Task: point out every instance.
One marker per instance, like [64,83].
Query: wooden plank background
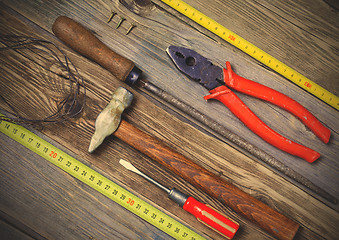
[43,202]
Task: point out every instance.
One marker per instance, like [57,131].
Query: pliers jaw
[196,67]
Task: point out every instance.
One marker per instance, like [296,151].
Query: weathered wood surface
[60,207]
[157,28]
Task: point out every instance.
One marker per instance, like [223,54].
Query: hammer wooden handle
[83,41]
[267,218]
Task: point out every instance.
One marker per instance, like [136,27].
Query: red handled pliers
[217,80]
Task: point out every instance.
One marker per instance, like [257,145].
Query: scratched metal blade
[196,66]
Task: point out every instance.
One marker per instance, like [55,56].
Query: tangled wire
[40,52]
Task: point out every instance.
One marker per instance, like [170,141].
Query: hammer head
[109,119]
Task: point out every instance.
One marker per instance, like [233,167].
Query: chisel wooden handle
[83,41]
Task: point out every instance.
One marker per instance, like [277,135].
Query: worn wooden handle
[84,42]
[267,218]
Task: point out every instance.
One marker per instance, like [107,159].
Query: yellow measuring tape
[100,183]
[254,52]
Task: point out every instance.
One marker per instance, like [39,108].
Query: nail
[110,17]
[119,23]
[130,28]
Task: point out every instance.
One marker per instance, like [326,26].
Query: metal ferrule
[133,76]
[178,197]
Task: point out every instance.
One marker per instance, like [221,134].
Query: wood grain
[58,206]
[146,45]
[156,29]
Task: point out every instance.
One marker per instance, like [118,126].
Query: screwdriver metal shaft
[130,167]
[202,212]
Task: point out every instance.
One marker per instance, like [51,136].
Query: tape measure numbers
[100,183]
[254,52]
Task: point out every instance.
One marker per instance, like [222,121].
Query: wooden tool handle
[267,218]
[84,42]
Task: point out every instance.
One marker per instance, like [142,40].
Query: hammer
[83,41]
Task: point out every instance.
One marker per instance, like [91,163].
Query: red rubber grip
[211,218]
[257,90]
[239,109]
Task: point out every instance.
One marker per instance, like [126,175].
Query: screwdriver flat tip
[129,166]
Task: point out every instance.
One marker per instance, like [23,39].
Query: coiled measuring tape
[254,52]
[100,183]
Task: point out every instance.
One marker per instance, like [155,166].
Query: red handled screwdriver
[202,212]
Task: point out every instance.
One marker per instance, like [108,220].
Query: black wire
[73,103]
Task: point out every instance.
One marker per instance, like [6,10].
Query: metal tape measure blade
[97,181]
